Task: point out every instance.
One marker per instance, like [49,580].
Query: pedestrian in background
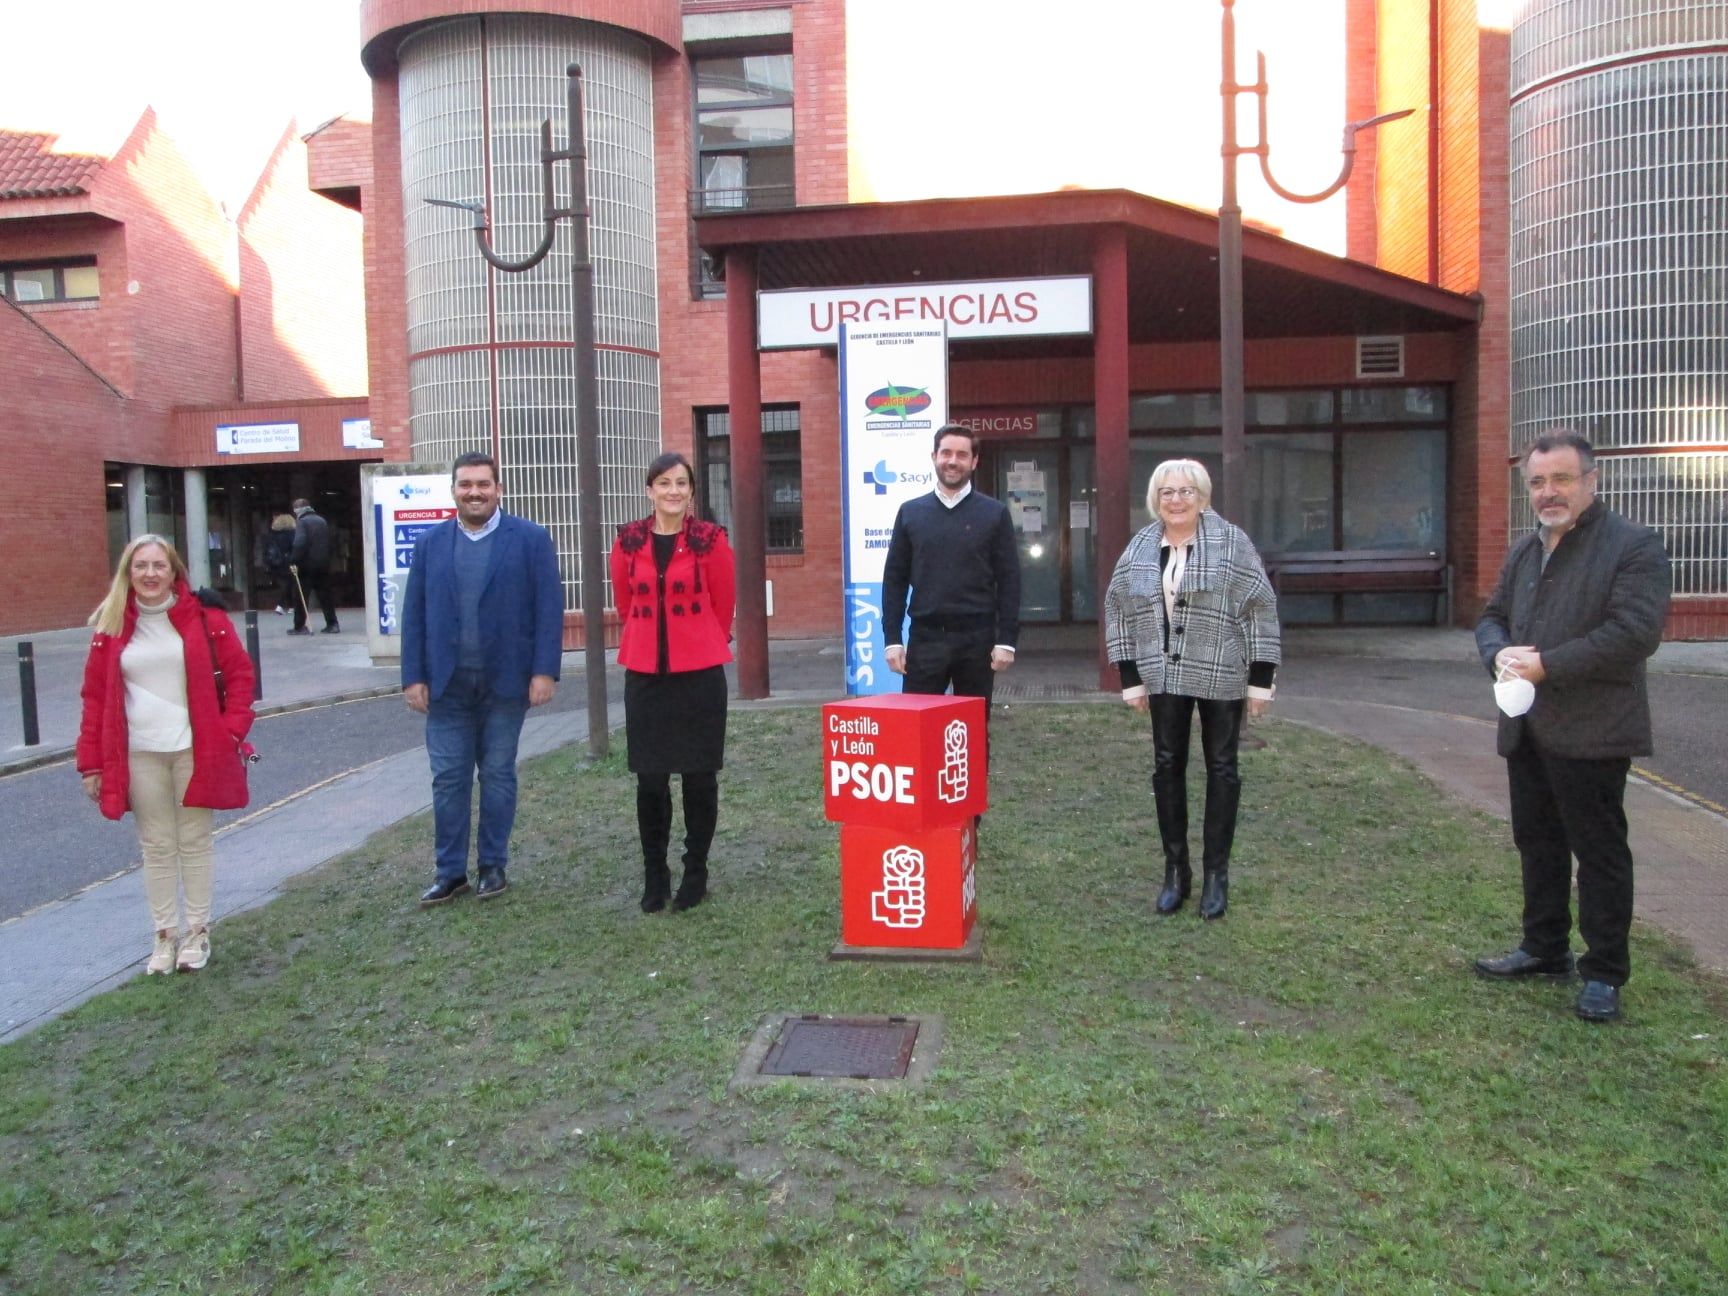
[309,563]
[672,579]
[278,553]
[1192,624]
[482,641]
[1578,609]
[167,705]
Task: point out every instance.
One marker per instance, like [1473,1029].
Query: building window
[743,130]
[50,281]
[782,456]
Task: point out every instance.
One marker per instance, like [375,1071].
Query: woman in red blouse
[672,578]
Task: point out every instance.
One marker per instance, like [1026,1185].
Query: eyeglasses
[1178,492]
[1559,481]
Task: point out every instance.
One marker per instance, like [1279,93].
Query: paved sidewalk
[63,953]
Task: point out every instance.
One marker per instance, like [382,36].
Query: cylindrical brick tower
[488,353]
[1619,262]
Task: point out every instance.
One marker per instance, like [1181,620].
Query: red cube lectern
[905,776]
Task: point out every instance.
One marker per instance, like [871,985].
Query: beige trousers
[174,838]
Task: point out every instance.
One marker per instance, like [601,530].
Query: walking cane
[305,607]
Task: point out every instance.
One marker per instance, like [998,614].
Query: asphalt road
[1688,711]
[54,842]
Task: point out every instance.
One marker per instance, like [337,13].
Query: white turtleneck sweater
[153,665]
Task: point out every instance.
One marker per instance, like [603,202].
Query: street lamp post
[1230,247]
[587,402]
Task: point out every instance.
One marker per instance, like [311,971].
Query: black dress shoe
[301,631]
[445,889]
[1518,963]
[331,630]
[1598,1001]
[492,883]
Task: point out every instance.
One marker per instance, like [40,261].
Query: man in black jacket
[956,549]
[309,560]
[1578,609]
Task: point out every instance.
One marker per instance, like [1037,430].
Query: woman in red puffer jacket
[155,737]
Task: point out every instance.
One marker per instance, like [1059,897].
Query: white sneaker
[194,951]
[162,957]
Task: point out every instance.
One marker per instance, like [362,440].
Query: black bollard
[27,693]
[252,652]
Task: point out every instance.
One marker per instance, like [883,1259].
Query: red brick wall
[386,276]
[339,155]
[1401,175]
[180,253]
[1362,101]
[693,333]
[302,295]
[56,441]
[95,330]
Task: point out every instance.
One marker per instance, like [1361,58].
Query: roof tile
[31,168]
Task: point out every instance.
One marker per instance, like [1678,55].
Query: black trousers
[314,583]
[1564,807]
[936,659]
[654,816]
[1220,727]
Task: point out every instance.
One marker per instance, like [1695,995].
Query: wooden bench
[1365,571]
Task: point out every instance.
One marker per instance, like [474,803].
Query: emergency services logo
[881,477]
[409,490]
[898,402]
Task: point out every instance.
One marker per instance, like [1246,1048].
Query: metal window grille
[783,458]
[1684,496]
[520,323]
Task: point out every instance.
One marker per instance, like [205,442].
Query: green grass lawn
[1314,1095]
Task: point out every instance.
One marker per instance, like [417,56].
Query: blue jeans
[471,728]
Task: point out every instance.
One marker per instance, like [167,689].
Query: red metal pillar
[1110,407]
[749,520]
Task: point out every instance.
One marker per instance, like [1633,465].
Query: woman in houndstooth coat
[1192,624]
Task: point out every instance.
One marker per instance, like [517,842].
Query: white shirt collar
[953,501]
[483,532]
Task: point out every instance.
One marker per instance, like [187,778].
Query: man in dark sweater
[1578,609]
[955,548]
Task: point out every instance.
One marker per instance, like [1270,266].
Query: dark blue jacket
[521,609]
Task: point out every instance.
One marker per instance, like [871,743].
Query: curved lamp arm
[481,228]
[1263,149]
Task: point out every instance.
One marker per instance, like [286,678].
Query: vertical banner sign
[893,397]
[403,509]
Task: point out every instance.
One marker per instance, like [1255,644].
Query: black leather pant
[1220,726]
[654,815]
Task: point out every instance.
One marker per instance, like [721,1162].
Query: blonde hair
[110,614]
[1191,470]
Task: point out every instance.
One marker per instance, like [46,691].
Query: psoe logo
[410,490]
[898,402]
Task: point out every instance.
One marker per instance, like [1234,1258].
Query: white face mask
[1513,694]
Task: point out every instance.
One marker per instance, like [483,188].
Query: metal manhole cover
[857,1048]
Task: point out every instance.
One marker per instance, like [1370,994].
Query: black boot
[701,813]
[692,887]
[1178,881]
[654,824]
[656,885]
[1215,894]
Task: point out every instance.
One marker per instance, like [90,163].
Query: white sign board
[257,438]
[893,397]
[403,509]
[357,435]
[813,317]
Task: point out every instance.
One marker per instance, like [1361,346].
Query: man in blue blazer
[482,637]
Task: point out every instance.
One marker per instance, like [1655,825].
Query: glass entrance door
[1028,477]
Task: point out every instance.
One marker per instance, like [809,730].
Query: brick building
[138,319]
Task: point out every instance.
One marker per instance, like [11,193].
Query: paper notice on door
[1079,514]
[1031,520]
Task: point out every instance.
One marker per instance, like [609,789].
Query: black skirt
[676,723]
